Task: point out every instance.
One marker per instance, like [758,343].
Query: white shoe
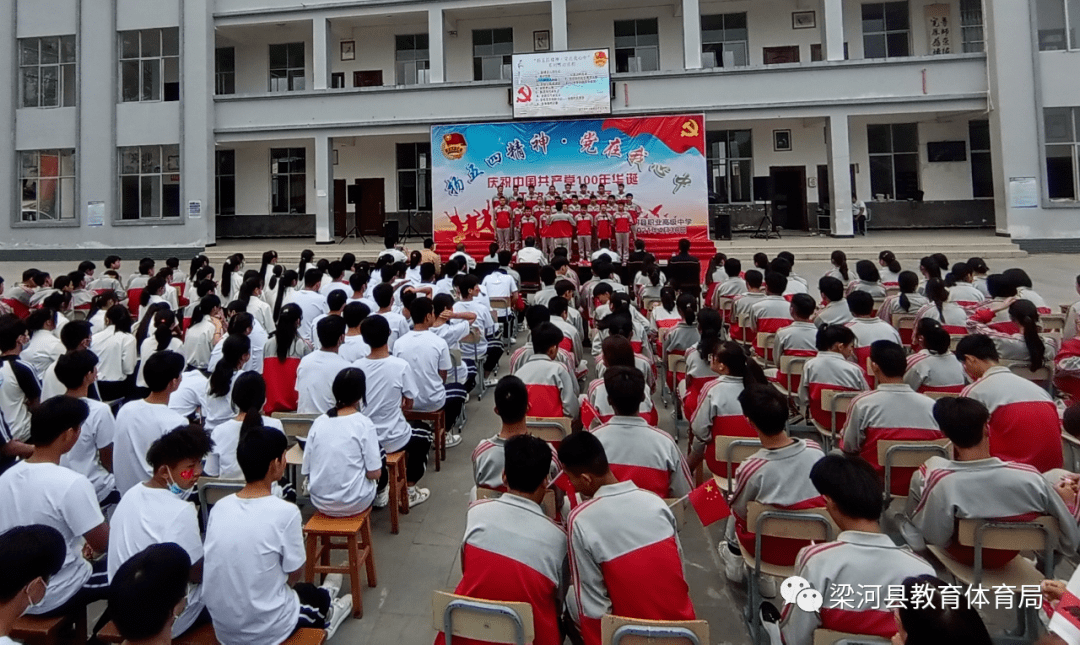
[734,566]
[766,586]
[418,495]
[491,382]
[333,584]
[452,439]
[382,500]
[340,609]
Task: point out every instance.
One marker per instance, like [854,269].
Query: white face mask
[30,598]
[174,488]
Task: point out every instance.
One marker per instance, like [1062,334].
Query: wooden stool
[437,420]
[204,635]
[399,488]
[319,533]
[46,631]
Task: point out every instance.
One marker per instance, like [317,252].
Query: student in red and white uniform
[978,485]
[718,412]
[797,339]
[994,312]
[831,369]
[559,312]
[503,224]
[595,409]
[869,280]
[1027,346]
[532,198]
[560,228]
[890,412]
[620,538]
[772,312]
[962,291]
[742,304]
[1024,423]
[835,311]
[551,197]
[861,556]
[552,390]
[664,315]
[534,316]
[489,458]
[733,285]
[624,222]
[605,224]
[698,367]
[934,368]
[1024,288]
[684,334]
[951,315]
[585,222]
[516,197]
[867,327]
[908,301]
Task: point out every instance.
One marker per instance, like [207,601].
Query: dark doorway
[780,55]
[341,213]
[369,78]
[370,211]
[789,196]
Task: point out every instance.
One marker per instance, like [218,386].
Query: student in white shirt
[488,348]
[116,348]
[139,423]
[251,295]
[189,399]
[92,454]
[354,348]
[316,373]
[335,303]
[204,332]
[236,350]
[529,254]
[40,491]
[152,293]
[310,301]
[255,557]
[98,306]
[44,347]
[242,323]
[384,299]
[248,398]
[20,390]
[29,557]
[148,596]
[460,253]
[158,511]
[158,332]
[75,335]
[429,357]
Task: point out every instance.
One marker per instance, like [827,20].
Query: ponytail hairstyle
[667,299]
[839,260]
[1025,314]
[732,356]
[960,273]
[350,388]
[119,317]
[147,320]
[710,325]
[942,261]
[867,271]
[164,326]
[978,265]
[617,351]
[205,306]
[197,262]
[249,396]
[654,276]
[268,258]
[934,337]
[100,301]
[717,262]
[909,283]
[888,260]
[415,259]
[687,305]
[288,280]
[999,286]
[247,289]
[232,264]
[233,350]
[930,267]
[306,257]
[153,286]
[937,294]
[287,324]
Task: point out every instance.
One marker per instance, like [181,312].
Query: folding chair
[649,303]
[619,630]
[766,340]
[296,425]
[548,503]
[906,454]
[788,366]
[905,324]
[550,429]
[676,365]
[829,637]
[1052,323]
[732,451]
[437,420]
[475,336]
[504,304]
[877,305]
[892,291]
[482,620]
[530,277]
[213,489]
[1043,377]
[835,402]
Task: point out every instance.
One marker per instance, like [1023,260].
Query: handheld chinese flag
[709,503]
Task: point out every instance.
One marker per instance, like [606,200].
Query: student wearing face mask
[157,511]
[29,557]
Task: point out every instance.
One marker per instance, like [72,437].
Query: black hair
[72,367]
[29,552]
[1026,315]
[11,329]
[717,261]
[545,336]
[468,283]
[74,333]
[851,483]
[354,313]
[710,323]
[688,304]
[420,309]
[978,346]
[38,318]
[781,266]
[233,348]
[753,278]
[547,274]
[557,306]
[349,388]
[775,283]
[441,303]
[162,368]
[563,285]
[383,294]
[732,355]
[249,396]
[930,265]
[286,331]
[999,286]
[178,444]
[504,258]
[832,288]
[98,302]
[942,261]
[581,453]
[206,305]
[860,303]
[934,336]
[312,277]
[329,330]
[867,271]
[241,321]
[120,318]
[765,407]
[667,298]
[602,288]
[336,299]
[888,258]
[890,358]
[511,400]
[147,320]
[111,259]
[375,330]
[830,335]
[288,279]
[937,294]
[684,245]
[839,260]
[55,416]
[962,420]
[978,265]
[909,283]
[527,462]
[197,262]
[153,285]
[803,305]
[934,621]
[1070,421]
[732,267]
[625,389]
[960,271]
[535,315]
[257,449]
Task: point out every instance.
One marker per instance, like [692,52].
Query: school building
[170,124]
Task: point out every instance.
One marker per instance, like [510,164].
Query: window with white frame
[894,160]
[47,71]
[149,182]
[493,51]
[47,178]
[288,180]
[637,45]
[1062,132]
[411,59]
[724,40]
[971,26]
[731,171]
[150,65]
[287,67]
[886,29]
[1058,24]
[225,70]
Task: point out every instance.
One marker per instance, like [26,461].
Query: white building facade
[167,124]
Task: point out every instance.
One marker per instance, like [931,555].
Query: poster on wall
[660,160]
[556,84]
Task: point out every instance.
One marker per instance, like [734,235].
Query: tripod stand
[766,228]
[410,230]
[353,232]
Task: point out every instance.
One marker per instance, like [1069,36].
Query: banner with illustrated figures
[660,160]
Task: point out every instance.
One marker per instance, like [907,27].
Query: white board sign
[1023,192]
[555,84]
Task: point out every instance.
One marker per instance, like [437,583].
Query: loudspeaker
[352,192]
[763,189]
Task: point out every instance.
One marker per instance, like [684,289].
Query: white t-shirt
[315,381]
[398,326]
[354,348]
[139,424]
[148,516]
[42,350]
[338,454]
[147,349]
[191,395]
[258,338]
[50,385]
[426,354]
[97,433]
[312,304]
[226,436]
[219,409]
[199,343]
[63,499]
[18,384]
[252,545]
[531,255]
[388,380]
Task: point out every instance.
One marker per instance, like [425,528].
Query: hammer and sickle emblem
[690,128]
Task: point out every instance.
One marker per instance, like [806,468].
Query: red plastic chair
[281,394]
[17,308]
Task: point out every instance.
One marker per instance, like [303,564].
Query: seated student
[248,395]
[962,290]
[684,334]
[30,557]
[461,253]
[315,375]
[664,315]
[1024,423]
[354,348]
[777,475]
[740,308]
[637,451]
[511,551]
[797,339]
[20,391]
[1025,346]
[836,312]
[791,287]
[698,370]
[500,284]
[150,594]
[428,355]
[604,252]
[621,323]
[861,556]
[616,351]
[867,327]
[831,369]
[977,485]
[337,281]
[908,301]
[310,301]
[205,332]
[890,412]
[335,302]
[236,350]
[552,389]
[934,368]
[159,511]
[1022,281]
[938,619]
[733,285]
[772,312]
[620,538]
[92,454]
[487,347]
[547,279]
[533,317]
[718,412]
[559,315]
[529,254]
[139,423]
[40,491]
[384,298]
[43,347]
[869,280]
[488,459]
[254,594]
[951,315]
[445,284]
[994,312]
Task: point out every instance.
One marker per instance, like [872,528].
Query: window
[493,51]
[225,70]
[225,182]
[1062,130]
[48,185]
[288,180]
[982,173]
[724,40]
[1058,21]
[780,55]
[971,26]
[637,45]
[149,182]
[818,54]
[47,71]
[414,176]
[411,58]
[885,27]
[731,169]
[150,65]
[894,160]
[287,68]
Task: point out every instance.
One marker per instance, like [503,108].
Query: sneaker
[333,583]
[382,499]
[766,586]
[770,621]
[734,566]
[452,440]
[418,495]
[491,382]
[340,609]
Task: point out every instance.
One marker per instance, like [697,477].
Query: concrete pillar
[197,118]
[691,27]
[436,48]
[558,26]
[838,144]
[320,45]
[96,155]
[324,189]
[832,29]
[10,191]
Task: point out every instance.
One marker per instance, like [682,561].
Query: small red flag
[709,503]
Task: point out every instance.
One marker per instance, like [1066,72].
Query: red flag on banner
[709,502]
